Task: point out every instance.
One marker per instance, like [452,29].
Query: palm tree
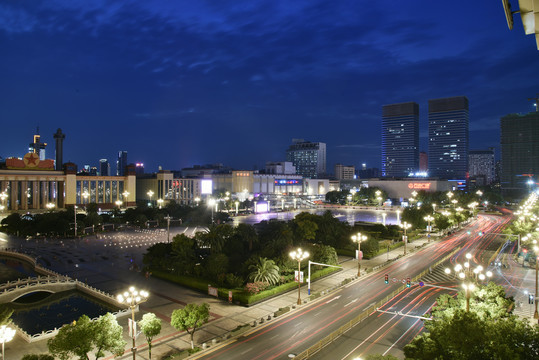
[265,270]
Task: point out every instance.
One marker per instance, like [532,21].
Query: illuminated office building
[400,139]
[448,138]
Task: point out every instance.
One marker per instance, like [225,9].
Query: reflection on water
[57,310]
[346,215]
[13,269]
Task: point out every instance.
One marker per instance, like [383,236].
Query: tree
[306,226]
[151,327]
[83,336]
[5,314]
[190,318]
[487,331]
[466,336]
[264,270]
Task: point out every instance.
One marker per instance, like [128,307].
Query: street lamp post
[160,202]
[398,217]
[536,314]
[3,197]
[150,194]
[237,207]
[168,227]
[133,298]
[6,335]
[119,204]
[405,226]
[469,287]
[126,197]
[428,218]
[212,202]
[75,212]
[299,255]
[469,276]
[358,238]
[384,218]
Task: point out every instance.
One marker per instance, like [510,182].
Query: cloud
[16,20]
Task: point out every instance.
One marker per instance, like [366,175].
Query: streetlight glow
[299,255]
[133,298]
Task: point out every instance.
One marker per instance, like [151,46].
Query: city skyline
[187,83]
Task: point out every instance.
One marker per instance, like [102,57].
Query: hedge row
[237,295]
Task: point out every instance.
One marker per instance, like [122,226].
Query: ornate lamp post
[359,238]
[428,218]
[299,255]
[6,335]
[405,226]
[469,276]
[133,298]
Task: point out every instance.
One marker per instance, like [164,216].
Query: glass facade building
[400,139]
[121,163]
[448,137]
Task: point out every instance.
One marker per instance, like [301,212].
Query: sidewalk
[113,277]
[218,329]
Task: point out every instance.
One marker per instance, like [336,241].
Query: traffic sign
[421,283]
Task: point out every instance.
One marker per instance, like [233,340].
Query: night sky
[178,83]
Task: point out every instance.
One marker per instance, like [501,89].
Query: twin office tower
[448,138]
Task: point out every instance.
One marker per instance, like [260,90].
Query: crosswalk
[437,276]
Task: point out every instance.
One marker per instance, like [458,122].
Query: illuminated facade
[403,188]
[309,158]
[481,166]
[448,137]
[400,139]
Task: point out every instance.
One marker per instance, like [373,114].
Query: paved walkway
[111,269]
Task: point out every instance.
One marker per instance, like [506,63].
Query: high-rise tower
[104,167]
[400,139]
[59,137]
[448,137]
[519,139]
[121,163]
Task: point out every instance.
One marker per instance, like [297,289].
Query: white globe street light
[133,298]
[405,226]
[359,238]
[299,255]
[6,335]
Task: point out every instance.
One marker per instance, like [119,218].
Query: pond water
[13,269]
[346,215]
[41,312]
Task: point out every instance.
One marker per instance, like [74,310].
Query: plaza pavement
[103,264]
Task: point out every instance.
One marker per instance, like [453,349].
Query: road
[306,326]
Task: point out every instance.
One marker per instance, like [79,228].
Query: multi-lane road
[381,332]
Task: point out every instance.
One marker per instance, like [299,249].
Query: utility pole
[536,98]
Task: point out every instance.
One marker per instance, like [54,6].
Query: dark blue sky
[177,83]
